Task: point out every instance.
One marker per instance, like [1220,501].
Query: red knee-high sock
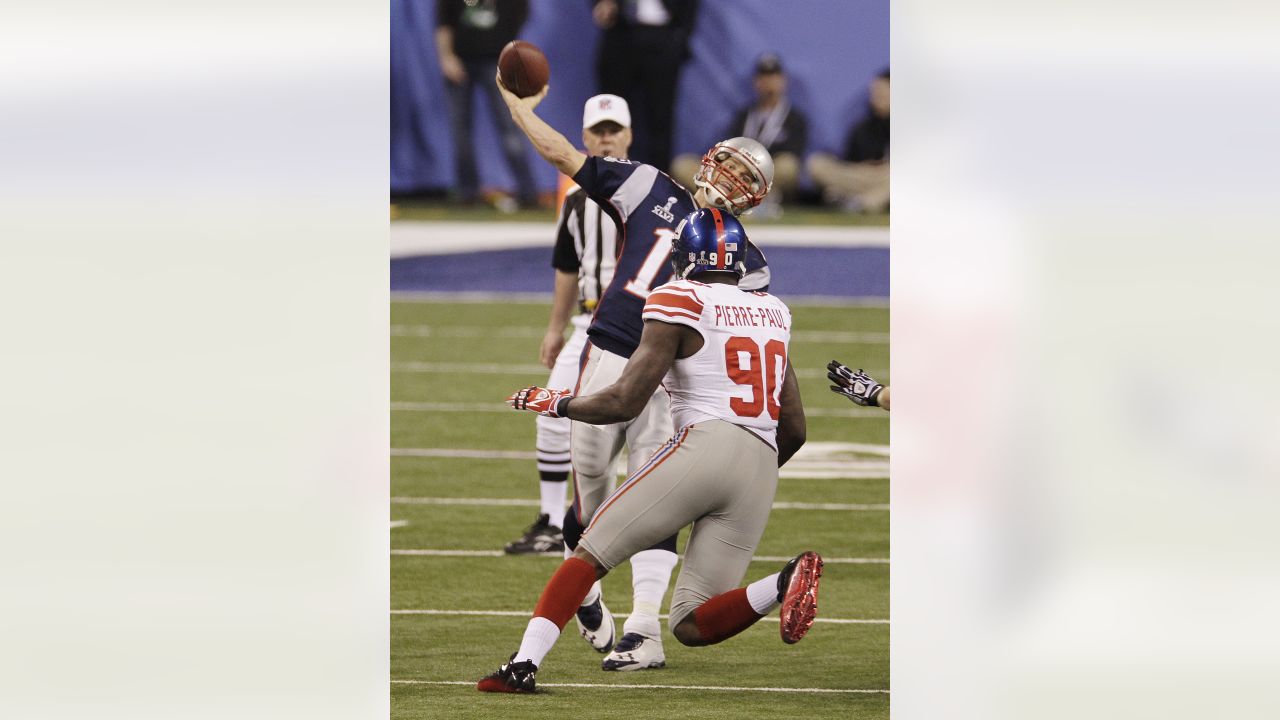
[564,591]
[724,616]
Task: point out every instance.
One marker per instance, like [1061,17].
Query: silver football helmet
[722,179]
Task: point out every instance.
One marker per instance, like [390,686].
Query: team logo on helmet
[709,240]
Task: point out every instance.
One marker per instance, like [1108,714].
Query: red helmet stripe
[719,238]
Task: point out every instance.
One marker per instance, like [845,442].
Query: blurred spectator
[644,44]
[859,182]
[470,34]
[770,119]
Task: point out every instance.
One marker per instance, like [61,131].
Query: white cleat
[595,624]
[635,652]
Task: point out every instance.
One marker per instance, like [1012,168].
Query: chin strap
[714,196]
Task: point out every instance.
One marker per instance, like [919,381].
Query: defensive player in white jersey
[736,175]
[586,252]
[721,352]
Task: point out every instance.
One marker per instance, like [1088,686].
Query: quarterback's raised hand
[857,386]
[539,400]
[513,100]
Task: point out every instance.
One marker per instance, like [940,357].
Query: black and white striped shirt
[586,243]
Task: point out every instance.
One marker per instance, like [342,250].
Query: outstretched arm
[550,144]
[859,387]
[627,397]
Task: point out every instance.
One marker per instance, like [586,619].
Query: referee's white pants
[553,433]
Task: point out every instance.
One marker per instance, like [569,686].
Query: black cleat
[511,677]
[784,577]
[541,537]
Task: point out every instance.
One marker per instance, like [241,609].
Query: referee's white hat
[606,107]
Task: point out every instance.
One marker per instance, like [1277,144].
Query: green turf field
[452,366]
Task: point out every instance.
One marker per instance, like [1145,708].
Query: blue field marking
[858,272]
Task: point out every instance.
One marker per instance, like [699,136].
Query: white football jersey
[737,375]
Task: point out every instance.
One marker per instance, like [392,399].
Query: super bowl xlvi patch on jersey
[664,211]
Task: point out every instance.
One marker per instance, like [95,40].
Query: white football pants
[595,447]
[553,433]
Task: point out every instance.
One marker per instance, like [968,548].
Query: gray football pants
[714,475]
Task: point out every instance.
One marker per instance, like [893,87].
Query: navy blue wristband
[562,407]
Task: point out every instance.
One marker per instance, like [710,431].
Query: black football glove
[857,386]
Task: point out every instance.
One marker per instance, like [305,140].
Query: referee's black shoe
[541,537]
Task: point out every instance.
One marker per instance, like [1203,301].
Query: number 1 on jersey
[642,283]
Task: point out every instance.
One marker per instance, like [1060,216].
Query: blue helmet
[709,240]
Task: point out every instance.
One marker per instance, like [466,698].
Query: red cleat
[798,592]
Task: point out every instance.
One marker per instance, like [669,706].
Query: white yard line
[533,332]
[424,552]
[623,686]
[410,238]
[828,448]
[495,502]
[829,506]
[461,453]
[525,613]
[798,474]
[509,502]
[816,464]
[494,407]
[801,469]
[534,369]
[398,524]
[501,407]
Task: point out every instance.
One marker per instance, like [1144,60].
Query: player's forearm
[626,398]
[792,427]
[789,441]
[611,405]
[563,301]
[550,144]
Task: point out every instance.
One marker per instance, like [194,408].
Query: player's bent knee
[683,625]
[589,469]
[582,554]
[686,631]
[572,529]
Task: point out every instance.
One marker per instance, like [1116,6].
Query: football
[523,68]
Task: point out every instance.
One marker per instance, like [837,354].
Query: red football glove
[539,400]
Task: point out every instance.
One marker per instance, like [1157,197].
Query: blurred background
[825,56]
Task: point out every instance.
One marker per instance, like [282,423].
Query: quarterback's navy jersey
[647,205]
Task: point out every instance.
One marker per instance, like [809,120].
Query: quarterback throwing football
[721,353]
[645,204]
